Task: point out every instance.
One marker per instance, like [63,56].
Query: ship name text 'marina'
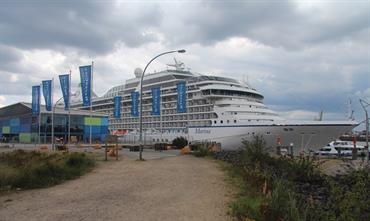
[202,131]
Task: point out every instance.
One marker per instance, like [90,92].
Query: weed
[246,207]
[201,152]
[273,188]
[23,169]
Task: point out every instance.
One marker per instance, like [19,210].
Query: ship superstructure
[218,109]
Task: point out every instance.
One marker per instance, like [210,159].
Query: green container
[93,121]
[6,130]
[25,137]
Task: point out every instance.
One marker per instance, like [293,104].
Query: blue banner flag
[135,103]
[181,97]
[46,91]
[156,101]
[117,107]
[35,100]
[64,85]
[85,74]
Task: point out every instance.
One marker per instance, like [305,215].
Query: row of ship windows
[221,121]
[285,129]
[148,97]
[169,124]
[235,121]
[196,115]
[148,105]
[172,103]
[231,93]
[127,111]
[166,118]
[164,125]
[250,106]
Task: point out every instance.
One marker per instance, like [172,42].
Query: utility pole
[364,105]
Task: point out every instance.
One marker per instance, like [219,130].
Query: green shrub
[246,207]
[179,142]
[201,152]
[22,169]
[39,175]
[349,195]
[296,188]
[282,204]
[255,152]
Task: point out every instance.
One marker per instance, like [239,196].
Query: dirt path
[172,188]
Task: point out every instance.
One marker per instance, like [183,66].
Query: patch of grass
[25,170]
[201,152]
[271,188]
[246,207]
[247,200]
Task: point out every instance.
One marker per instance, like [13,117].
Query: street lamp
[141,99]
[367,126]
[52,123]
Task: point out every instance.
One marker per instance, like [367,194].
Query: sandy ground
[170,188]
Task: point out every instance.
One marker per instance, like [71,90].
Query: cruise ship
[218,110]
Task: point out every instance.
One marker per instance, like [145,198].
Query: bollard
[291,150]
[354,153]
[278,150]
[354,150]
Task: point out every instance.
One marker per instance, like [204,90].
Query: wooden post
[116,150]
[105,150]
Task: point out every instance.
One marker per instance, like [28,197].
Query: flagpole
[69,107]
[39,114]
[160,115]
[187,111]
[52,114]
[91,95]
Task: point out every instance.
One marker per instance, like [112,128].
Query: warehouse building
[17,124]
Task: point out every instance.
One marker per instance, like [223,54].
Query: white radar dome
[138,72]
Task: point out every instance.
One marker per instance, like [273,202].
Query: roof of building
[23,108]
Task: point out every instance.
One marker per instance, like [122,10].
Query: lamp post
[52,123]
[141,99]
[367,126]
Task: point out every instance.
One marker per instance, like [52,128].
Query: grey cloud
[323,44]
[20,87]
[321,76]
[90,25]
[9,58]
[278,24]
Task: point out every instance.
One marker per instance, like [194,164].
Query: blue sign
[64,85]
[181,97]
[135,103]
[156,101]
[35,100]
[46,91]
[85,74]
[117,107]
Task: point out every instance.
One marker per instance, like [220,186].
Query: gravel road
[170,188]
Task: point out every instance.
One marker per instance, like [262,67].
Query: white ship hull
[303,137]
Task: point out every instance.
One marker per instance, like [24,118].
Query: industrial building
[17,124]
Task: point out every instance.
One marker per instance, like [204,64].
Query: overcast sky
[303,56]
